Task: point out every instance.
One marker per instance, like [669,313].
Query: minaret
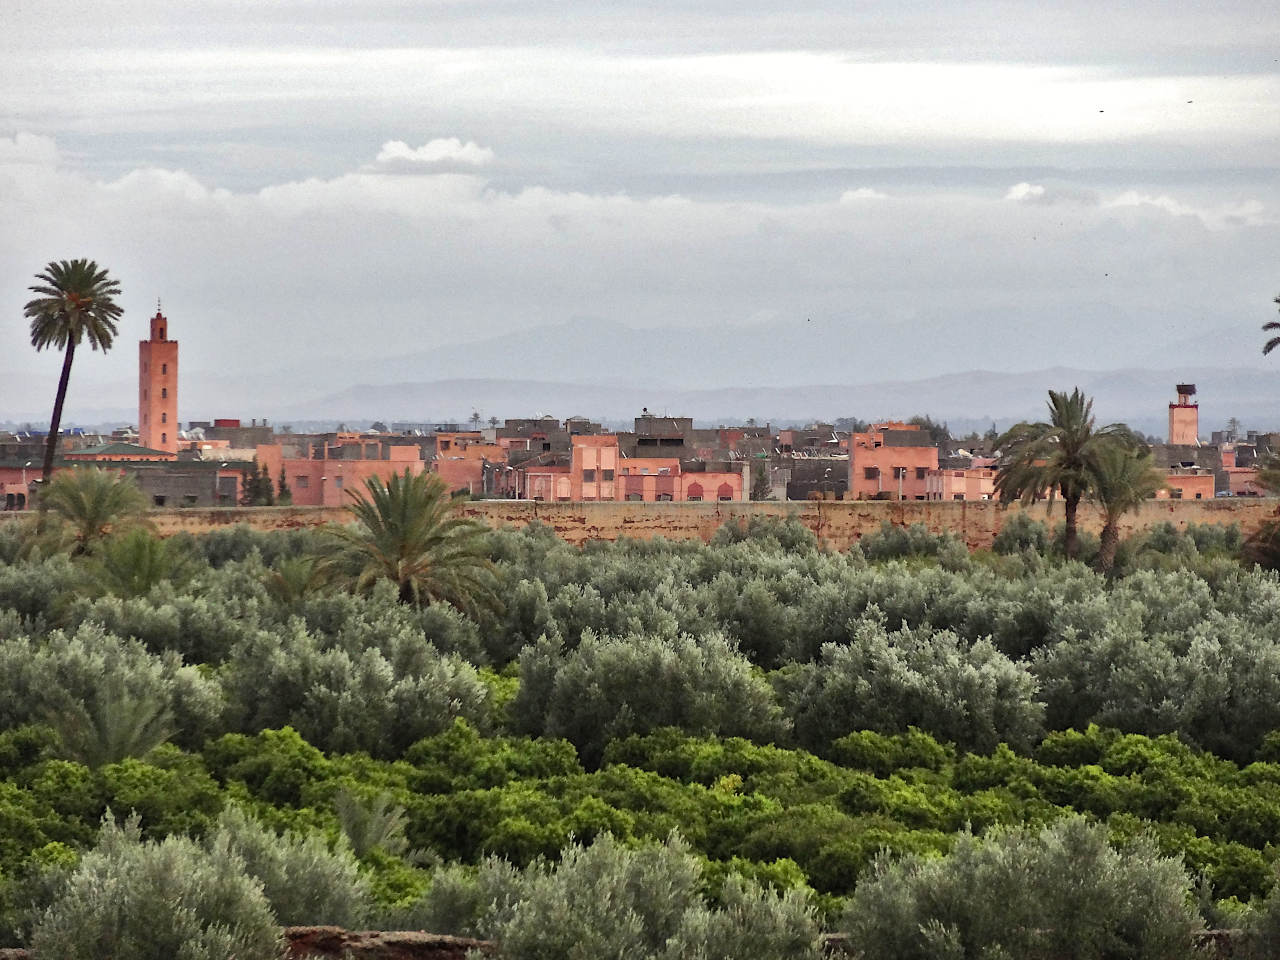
[158,387]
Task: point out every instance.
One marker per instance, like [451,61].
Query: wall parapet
[839,523]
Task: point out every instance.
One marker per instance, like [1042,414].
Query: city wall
[839,523]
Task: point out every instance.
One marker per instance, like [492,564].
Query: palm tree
[75,301]
[1274,341]
[93,502]
[409,531]
[1057,458]
[131,564]
[1123,479]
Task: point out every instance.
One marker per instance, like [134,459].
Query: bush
[970,695]
[1020,533]
[606,900]
[608,688]
[158,901]
[1059,891]
[305,881]
[108,697]
[893,541]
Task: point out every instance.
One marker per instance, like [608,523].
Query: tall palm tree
[1057,458]
[1274,341]
[410,531]
[93,502]
[1123,479]
[75,302]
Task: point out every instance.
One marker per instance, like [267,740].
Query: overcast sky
[997,184]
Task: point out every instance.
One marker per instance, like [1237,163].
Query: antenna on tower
[157,304]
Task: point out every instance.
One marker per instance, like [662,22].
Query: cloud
[1025,191]
[436,156]
[1218,216]
[862,193]
[317,271]
[28,148]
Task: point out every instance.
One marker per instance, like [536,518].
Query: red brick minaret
[158,387]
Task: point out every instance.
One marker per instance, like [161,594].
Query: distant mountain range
[966,400]
[779,372]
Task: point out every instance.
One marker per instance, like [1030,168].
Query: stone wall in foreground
[839,523]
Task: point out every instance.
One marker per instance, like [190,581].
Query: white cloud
[1025,191]
[434,156]
[862,193]
[1216,216]
[28,148]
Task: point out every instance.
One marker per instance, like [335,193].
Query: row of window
[871,473]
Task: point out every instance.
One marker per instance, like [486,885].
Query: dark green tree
[284,496]
[760,487]
[75,302]
[1123,479]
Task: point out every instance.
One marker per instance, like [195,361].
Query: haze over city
[826,197]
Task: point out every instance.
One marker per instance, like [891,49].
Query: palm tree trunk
[1107,549]
[51,447]
[1070,543]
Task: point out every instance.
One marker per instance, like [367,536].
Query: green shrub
[158,901]
[609,688]
[304,880]
[1060,891]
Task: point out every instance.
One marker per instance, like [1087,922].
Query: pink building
[1188,483]
[342,465]
[891,461]
[598,471]
[971,483]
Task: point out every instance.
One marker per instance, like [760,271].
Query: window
[164,418]
[1199,496]
[634,496]
[164,438]
[899,473]
[337,482]
[957,496]
[189,500]
[695,499]
[870,473]
[164,393]
[664,496]
[164,368]
[588,476]
[301,482]
[921,472]
[145,417]
[644,471]
[158,500]
[606,474]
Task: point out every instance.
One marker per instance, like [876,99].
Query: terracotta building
[320,471]
[891,461]
[158,388]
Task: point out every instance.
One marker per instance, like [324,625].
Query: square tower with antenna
[1184,417]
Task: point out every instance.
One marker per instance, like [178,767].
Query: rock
[307,942]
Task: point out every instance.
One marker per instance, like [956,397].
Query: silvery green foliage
[63,676]
[166,900]
[344,696]
[609,688]
[37,589]
[969,694]
[749,922]
[305,882]
[892,541]
[1027,893]
[1021,533]
[607,900]
[463,901]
